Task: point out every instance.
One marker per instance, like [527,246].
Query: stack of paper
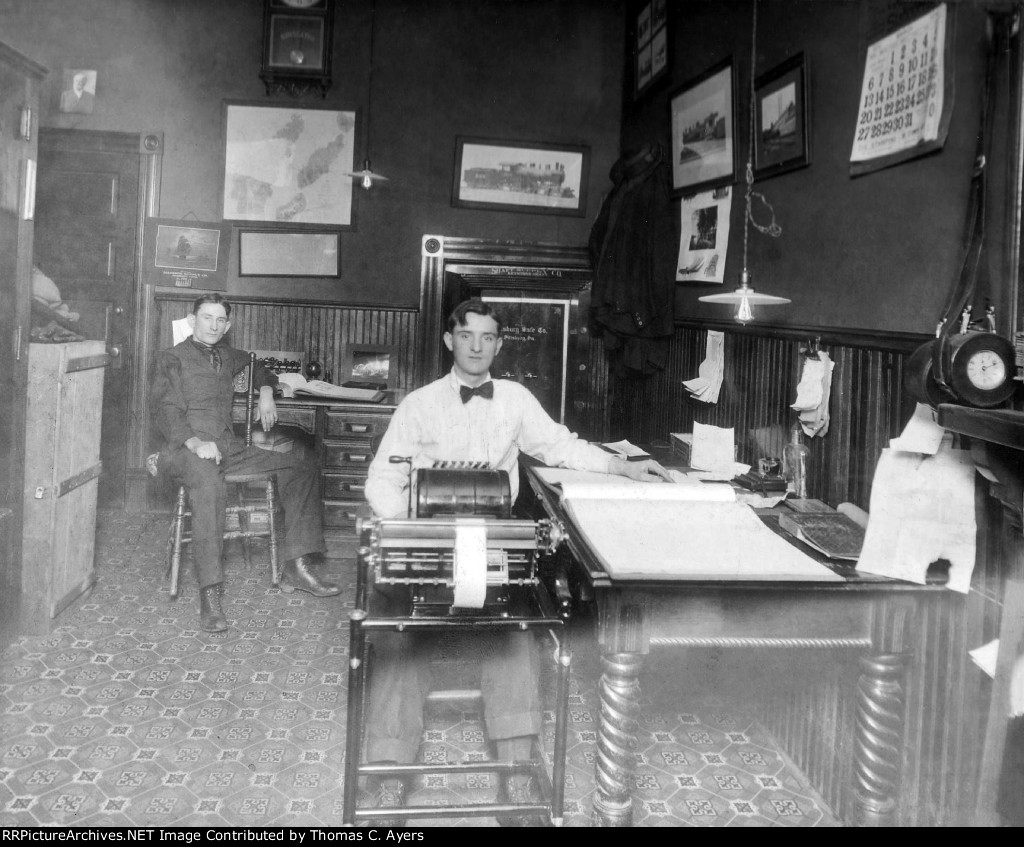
[708,382]
[812,395]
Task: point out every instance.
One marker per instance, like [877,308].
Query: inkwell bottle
[794,462]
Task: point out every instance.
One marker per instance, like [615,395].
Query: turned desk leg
[878,742]
[617,738]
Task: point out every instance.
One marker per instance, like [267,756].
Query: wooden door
[87,212]
[19,123]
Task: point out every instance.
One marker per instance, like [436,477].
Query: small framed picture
[782,124]
[78,91]
[703,120]
[650,46]
[299,254]
[520,176]
[370,365]
[186,254]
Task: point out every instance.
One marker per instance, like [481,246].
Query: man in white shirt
[467,416]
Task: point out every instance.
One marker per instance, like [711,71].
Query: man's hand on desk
[647,470]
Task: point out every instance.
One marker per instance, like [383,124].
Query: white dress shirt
[433,424]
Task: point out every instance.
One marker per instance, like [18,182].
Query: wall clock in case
[297,39]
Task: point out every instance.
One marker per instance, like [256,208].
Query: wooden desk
[344,435]
[863,612]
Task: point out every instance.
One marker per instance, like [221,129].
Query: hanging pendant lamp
[367,177]
[745,297]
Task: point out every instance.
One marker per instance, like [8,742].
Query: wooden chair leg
[275,574]
[177,528]
[243,524]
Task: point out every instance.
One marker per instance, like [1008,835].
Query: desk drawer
[344,487]
[341,514]
[355,423]
[347,455]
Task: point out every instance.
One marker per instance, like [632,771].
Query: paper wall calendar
[905,102]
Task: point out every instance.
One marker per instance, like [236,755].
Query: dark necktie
[212,353]
[485,390]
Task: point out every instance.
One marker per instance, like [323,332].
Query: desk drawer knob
[354,427]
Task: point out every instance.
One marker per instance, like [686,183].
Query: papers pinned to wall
[813,393]
[704,236]
[708,382]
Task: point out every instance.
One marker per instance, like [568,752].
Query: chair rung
[469,810]
[455,694]
[416,769]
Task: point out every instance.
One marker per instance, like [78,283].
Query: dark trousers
[401,678]
[298,485]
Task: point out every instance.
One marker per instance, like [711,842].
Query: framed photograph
[78,91]
[286,165]
[782,124]
[270,253]
[702,115]
[372,365]
[186,254]
[518,176]
[650,62]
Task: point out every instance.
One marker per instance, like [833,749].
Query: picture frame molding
[291,234]
[546,148]
[764,85]
[675,103]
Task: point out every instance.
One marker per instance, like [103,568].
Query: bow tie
[485,390]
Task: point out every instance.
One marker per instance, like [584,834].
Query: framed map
[288,165]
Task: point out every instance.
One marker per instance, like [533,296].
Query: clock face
[986,369]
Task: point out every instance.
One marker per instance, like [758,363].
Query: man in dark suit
[191,397]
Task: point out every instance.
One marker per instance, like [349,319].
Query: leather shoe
[211,616]
[521,791]
[389,794]
[300,574]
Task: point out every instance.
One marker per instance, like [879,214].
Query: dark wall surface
[877,252]
[531,70]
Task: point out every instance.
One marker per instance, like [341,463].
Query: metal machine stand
[422,554]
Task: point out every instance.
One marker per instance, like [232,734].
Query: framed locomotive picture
[519,176]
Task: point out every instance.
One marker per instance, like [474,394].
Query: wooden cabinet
[20,81]
[350,434]
[62,468]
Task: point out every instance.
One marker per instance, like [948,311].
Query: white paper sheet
[470,563]
[708,382]
[921,434]
[714,447]
[922,509]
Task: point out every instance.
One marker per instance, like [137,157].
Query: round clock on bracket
[297,36]
[980,368]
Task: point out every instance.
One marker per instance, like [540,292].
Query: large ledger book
[295,385]
[677,531]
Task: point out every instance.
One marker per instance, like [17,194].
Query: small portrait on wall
[78,92]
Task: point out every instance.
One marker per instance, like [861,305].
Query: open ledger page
[677,531]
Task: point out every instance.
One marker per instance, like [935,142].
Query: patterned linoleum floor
[128,715]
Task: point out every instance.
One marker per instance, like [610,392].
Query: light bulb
[744,313]
[367,181]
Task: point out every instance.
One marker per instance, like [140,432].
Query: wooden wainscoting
[762,369]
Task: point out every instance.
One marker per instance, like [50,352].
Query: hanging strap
[962,292]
